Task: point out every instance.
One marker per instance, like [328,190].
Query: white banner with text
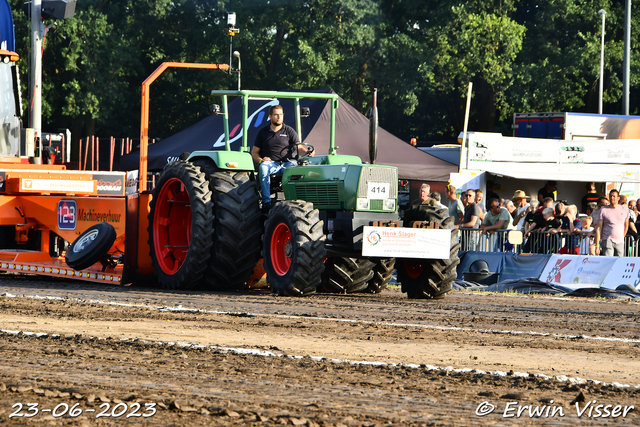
[399,242]
[575,271]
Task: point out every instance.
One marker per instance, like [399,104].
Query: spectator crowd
[602,225]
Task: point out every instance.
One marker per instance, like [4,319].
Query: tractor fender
[226,160]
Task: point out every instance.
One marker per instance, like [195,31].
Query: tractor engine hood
[356,187]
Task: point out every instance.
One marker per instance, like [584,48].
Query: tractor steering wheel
[309,147]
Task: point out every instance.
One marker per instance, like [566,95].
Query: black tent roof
[352,137]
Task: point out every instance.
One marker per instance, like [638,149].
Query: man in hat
[522,208]
[547,191]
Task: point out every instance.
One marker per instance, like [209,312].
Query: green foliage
[521,55]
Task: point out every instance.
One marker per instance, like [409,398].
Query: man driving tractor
[273,150]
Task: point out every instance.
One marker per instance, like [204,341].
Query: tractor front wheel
[344,275]
[293,248]
[382,272]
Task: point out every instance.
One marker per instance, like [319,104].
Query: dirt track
[183,351]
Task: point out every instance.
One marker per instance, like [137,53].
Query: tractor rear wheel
[429,278]
[382,272]
[293,248]
[237,227]
[180,226]
[344,275]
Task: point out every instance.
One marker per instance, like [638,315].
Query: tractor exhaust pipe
[373,128]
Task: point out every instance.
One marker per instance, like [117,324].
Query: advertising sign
[577,272]
[132,182]
[67,215]
[626,271]
[406,242]
[487,147]
[55,185]
[109,184]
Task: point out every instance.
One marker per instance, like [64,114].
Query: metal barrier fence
[472,239]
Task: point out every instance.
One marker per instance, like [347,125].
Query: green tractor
[206,228]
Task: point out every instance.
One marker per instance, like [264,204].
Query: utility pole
[627,58]
[35,71]
[602,13]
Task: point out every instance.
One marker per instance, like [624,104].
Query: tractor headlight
[389,204]
[363,204]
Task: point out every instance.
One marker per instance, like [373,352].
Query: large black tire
[180,226]
[382,272]
[293,248]
[429,278]
[347,275]
[91,246]
[237,227]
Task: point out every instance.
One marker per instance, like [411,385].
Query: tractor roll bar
[261,94]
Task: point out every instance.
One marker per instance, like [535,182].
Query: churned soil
[118,355]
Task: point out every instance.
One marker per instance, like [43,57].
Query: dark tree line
[522,56]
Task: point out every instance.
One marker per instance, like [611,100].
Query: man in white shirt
[522,208]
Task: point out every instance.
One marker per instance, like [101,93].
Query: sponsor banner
[577,272]
[612,152]
[55,185]
[495,148]
[626,271]
[67,215]
[132,182]
[3,182]
[110,184]
[406,242]
[490,147]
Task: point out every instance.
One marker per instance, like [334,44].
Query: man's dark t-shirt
[545,193]
[271,143]
[589,198]
[470,211]
[537,218]
[553,223]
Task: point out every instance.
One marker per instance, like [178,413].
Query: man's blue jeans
[270,168]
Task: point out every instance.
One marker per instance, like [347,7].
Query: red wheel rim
[281,249]
[172,226]
[414,270]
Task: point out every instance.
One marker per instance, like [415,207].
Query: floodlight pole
[602,13]
[463,154]
[627,58]
[232,31]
